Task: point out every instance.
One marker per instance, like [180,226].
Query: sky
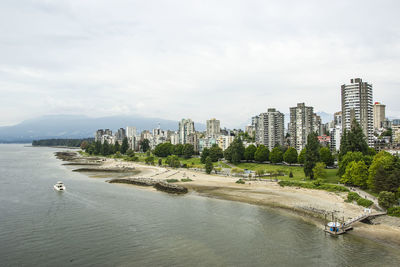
[203,59]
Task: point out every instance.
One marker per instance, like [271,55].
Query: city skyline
[186,59]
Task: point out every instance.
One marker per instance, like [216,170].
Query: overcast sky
[198,59]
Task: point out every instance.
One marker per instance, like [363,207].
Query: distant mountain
[76,126]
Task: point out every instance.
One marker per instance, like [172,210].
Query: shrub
[240,181]
[186,180]
[364,202]
[172,180]
[237,170]
[327,187]
[394,211]
[135,158]
[352,196]
[386,199]
[291,174]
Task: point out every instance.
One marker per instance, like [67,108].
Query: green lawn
[298,173]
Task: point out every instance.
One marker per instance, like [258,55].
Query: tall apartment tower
[301,125]
[357,104]
[270,128]
[379,115]
[186,127]
[213,128]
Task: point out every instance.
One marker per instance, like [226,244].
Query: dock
[336,228]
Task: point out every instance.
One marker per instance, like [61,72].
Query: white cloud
[199,59]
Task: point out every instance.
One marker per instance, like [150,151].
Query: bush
[135,158]
[172,180]
[386,199]
[327,187]
[240,181]
[352,196]
[394,211]
[186,180]
[237,170]
[291,174]
[364,202]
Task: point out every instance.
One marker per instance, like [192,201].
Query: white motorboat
[59,186]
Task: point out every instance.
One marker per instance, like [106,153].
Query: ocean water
[95,223]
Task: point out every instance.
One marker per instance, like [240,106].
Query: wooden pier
[335,227]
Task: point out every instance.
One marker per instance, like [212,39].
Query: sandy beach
[310,204]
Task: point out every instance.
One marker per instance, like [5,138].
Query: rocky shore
[157,184]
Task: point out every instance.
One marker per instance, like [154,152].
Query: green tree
[386,199]
[163,150]
[188,151]
[215,153]
[356,174]
[97,148]
[117,147]
[381,160]
[320,171]
[178,150]
[144,144]
[276,155]
[249,152]
[356,139]
[84,145]
[125,145]
[326,156]
[346,159]
[235,152]
[344,146]
[209,166]
[302,156]
[204,154]
[290,155]
[173,161]
[159,162]
[312,155]
[105,149]
[261,154]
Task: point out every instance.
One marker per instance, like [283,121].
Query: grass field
[298,173]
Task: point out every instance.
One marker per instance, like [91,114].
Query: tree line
[61,142]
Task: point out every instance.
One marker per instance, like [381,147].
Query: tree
[84,145]
[125,145]
[159,162]
[344,147]
[349,157]
[326,156]
[97,147]
[235,152]
[204,154]
[302,156]
[105,149]
[320,171]
[145,145]
[173,161]
[290,155]
[188,150]
[381,160]
[117,147]
[386,199]
[312,155]
[215,153]
[356,174]
[163,150]
[261,154]
[356,140]
[276,155]
[178,150]
[249,152]
[209,166]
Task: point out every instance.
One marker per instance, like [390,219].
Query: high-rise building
[186,127]
[213,128]
[130,131]
[379,115]
[357,104]
[120,134]
[337,119]
[270,128]
[317,124]
[301,125]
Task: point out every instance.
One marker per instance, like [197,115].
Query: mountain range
[77,126]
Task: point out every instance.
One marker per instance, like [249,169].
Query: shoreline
[307,204]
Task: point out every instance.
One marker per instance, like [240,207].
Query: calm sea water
[95,223]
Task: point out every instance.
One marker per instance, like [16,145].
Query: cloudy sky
[197,59]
